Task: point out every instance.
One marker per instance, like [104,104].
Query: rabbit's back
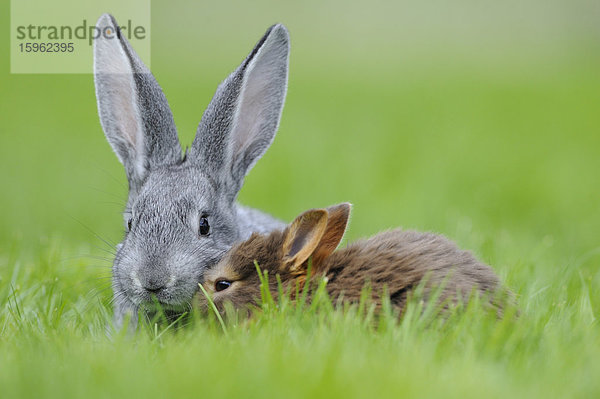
[398,260]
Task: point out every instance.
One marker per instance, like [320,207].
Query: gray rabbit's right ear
[134,112]
[240,122]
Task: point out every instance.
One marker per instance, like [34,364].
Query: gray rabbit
[181,214]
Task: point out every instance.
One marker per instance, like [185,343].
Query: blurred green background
[429,115]
[476,119]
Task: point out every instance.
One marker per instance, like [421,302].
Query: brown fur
[396,261]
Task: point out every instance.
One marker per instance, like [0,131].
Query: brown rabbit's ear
[303,236]
[337,221]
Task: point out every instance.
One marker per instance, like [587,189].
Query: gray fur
[163,255]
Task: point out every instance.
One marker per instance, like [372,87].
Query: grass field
[477,120]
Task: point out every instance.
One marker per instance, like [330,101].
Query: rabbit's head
[313,235]
[181,214]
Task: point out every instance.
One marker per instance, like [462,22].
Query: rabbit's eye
[129,223]
[221,285]
[204,227]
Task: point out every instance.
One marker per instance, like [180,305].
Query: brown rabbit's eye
[221,285]
[203,226]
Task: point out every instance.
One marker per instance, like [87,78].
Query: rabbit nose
[155,290]
[154,286]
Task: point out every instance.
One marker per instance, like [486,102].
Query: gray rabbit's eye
[203,226]
[129,223]
[221,285]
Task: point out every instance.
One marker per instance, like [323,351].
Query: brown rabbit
[395,261]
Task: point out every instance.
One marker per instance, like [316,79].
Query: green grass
[54,343]
[486,131]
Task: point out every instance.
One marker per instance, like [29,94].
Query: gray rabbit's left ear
[134,112]
[240,122]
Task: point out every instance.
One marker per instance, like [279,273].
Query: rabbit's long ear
[134,112]
[302,237]
[337,221]
[240,122]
